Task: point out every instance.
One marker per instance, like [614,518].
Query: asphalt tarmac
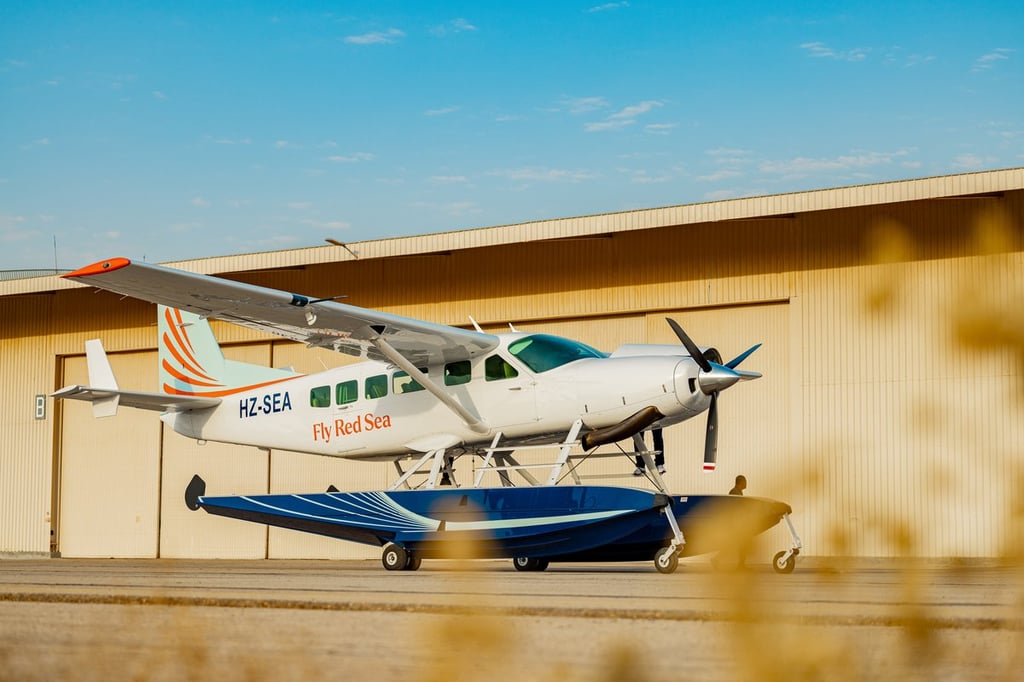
[309,620]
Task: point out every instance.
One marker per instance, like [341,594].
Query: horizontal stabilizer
[142,400]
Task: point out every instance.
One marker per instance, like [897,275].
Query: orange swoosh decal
[185,378]
[220,394]
[184,363]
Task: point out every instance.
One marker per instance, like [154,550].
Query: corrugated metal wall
[27,370]
[889,415]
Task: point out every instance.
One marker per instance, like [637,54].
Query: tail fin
[101,376]
[191,362]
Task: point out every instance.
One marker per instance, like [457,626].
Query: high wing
[315,322]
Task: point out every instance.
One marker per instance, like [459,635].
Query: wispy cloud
[583,105]
[448,179]
[637,109]
[804,165]
[718,176]
[623,118]
[535,174]
[969,162]
[603,126]
[441,112]
[819,50]
[731,163]
[453,27]
[722,194]
[318,224]
[725,154]
[988,61]
[607,7]
[35,144]
[643,177]
[388,37]
[914,60]
[332,224]
[199,202]
[461,208]
[659,128]
[453,208]
[279,241]
[351,158]
[11,228]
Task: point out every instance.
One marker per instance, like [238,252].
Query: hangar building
[890,414]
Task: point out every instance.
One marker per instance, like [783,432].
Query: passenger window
[497,368]
[376,387]
[320,396]
[346,392]
[401,382]
[457,373]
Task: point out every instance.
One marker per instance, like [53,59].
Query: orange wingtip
[98,268]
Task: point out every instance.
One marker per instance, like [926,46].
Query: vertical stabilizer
[101,376]
[191,362]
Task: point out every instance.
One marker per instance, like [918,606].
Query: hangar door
[109,468]
[122,478]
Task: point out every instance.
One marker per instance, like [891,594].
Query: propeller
[712,379]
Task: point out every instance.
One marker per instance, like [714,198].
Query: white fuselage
[361,411]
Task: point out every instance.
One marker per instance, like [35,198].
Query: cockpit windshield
[543,352]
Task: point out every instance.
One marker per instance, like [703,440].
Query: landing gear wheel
[394,558]
[414,563]
[524,563]
[666,560]
[787,566]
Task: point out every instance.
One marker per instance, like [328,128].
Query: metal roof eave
[776,205]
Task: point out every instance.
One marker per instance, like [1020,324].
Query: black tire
[666,560]
[414,563]
[394,557]
[785,567]
[529,564]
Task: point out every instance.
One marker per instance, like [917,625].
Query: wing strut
[472,421]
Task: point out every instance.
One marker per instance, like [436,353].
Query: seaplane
[427,394]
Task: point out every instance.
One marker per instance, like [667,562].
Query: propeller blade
[711,437]
[691,347]
[742,356]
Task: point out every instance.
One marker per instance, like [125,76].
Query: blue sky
[170,131]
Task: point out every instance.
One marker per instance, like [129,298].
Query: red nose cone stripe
[99,268]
